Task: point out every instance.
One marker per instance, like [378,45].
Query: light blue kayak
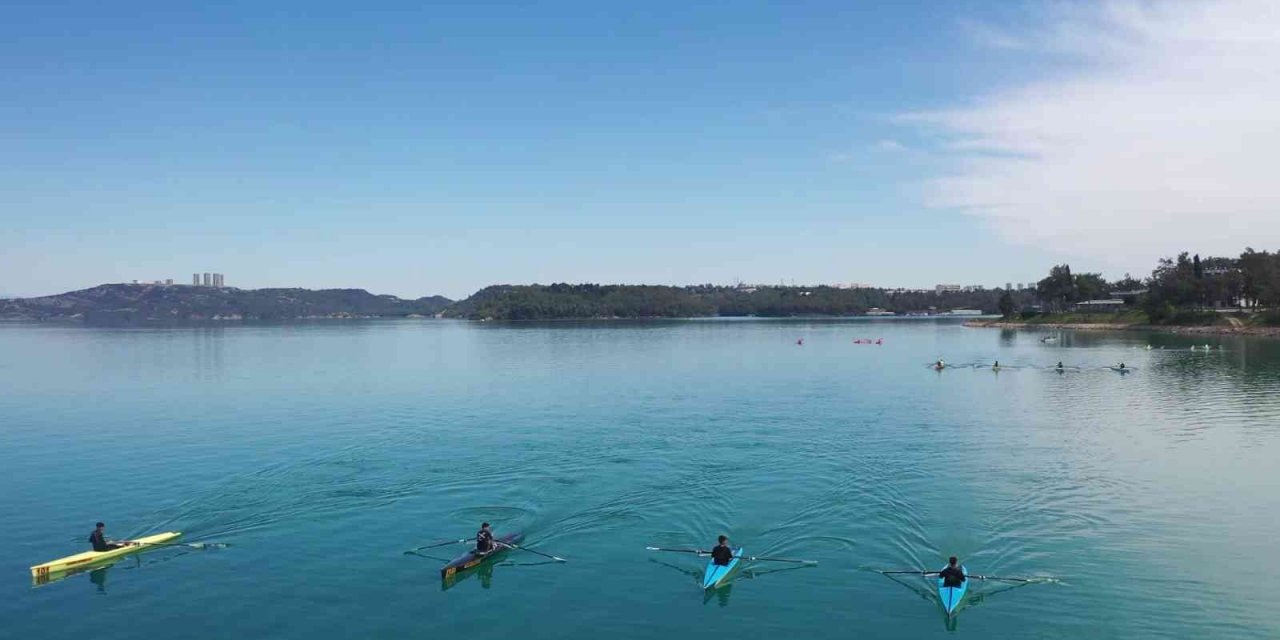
[716,574]
[951,596]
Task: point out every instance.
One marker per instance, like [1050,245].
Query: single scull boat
[472,559]
[951,596]
[42,572]
[716,574]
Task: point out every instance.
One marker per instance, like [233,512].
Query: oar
[1011,579]
[515,546]
[438,544]
[918,572]
[763,559]
[193,545]
[760,558]
[697,551]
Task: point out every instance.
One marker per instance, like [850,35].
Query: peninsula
[127,303]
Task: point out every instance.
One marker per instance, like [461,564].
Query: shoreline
[1212,330]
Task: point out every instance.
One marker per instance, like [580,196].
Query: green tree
[1127,283]
[1260,277]
[1172,286]
[1090,286]
[1006,305]
[1059,289]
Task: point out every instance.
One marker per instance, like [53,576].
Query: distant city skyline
[427,149]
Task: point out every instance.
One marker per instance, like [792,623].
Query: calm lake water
[322,452]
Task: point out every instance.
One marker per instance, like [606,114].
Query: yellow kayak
[42,572]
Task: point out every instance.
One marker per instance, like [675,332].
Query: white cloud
[889,145]
[1165,138]
[992,36]
[880,146]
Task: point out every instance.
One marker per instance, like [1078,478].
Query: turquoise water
[321,452]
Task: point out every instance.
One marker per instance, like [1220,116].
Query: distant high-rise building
[1008,286]
[208,279]
[217,280]
[168,281]
[195,279]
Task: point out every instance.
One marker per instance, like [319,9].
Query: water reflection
[975,595]
[99,578]
[97,574]
[721,594]
[484,572]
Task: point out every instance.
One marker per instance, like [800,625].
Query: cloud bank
[1163,137]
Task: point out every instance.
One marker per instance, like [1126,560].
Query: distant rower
[952,575]
[1059,367]
[996,365]
[99,539]
[722,554]
[484,539]
[939,364]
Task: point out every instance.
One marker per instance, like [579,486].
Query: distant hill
[565,301]
[122,303]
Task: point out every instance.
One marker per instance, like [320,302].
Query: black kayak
[472,559]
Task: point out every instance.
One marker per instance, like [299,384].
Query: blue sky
[416,148]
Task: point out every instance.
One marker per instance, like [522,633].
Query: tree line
[1185,289]
[581,301]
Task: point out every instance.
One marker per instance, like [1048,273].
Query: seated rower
[484,540]
[952,575]
[99,539]
[722,554]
